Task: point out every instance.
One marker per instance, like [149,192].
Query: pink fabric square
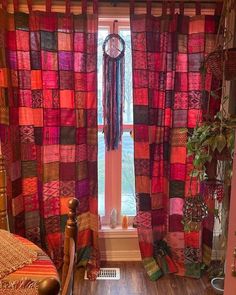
[181,62]
[67,153]
[79,45]
[79,62]
[25,98]
[23,59]
[196,43]
[50,79]
[194,81]
[51,153]
[176,206]
[169,81]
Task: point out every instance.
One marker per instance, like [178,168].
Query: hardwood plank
[134,281]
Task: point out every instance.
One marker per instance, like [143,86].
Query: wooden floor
[134,281]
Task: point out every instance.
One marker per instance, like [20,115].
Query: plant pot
[218,285]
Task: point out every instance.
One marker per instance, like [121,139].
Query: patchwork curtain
[48,107]
[168,102]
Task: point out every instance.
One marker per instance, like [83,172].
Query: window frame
[113,159]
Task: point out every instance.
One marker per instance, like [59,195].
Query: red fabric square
[67,171]
[81,135]
[175,223]
[48,22]
[192,239]
[67,117]
[11,40]
[22,39]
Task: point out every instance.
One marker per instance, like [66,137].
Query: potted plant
[211,141]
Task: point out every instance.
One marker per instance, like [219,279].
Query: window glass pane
[128,104]
[102,33]
[128,204]
[101,174]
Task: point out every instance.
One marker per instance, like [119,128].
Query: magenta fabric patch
[50,79]
[176,206]
[66,61]
[178,171]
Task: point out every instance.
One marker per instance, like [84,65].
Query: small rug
[13,254]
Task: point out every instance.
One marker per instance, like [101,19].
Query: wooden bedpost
[70,232]
[3,196]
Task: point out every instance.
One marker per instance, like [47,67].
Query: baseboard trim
[120,255]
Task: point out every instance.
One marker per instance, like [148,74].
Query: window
[116,168]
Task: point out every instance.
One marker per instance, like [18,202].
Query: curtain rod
[167,1]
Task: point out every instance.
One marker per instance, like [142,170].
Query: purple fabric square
[24,79]
[82,188]
[35,58]
[66,61]
[180,118]
[195,61]
[35,41]
[158,217]
[51,135]
[12,59]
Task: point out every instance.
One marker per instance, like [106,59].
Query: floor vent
[107,273]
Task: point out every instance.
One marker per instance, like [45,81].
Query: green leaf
[194,173]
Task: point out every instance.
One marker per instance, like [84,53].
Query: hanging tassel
[113,95]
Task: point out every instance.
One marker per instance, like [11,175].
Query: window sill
[109,233]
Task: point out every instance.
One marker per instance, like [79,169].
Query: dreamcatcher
[113,89]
